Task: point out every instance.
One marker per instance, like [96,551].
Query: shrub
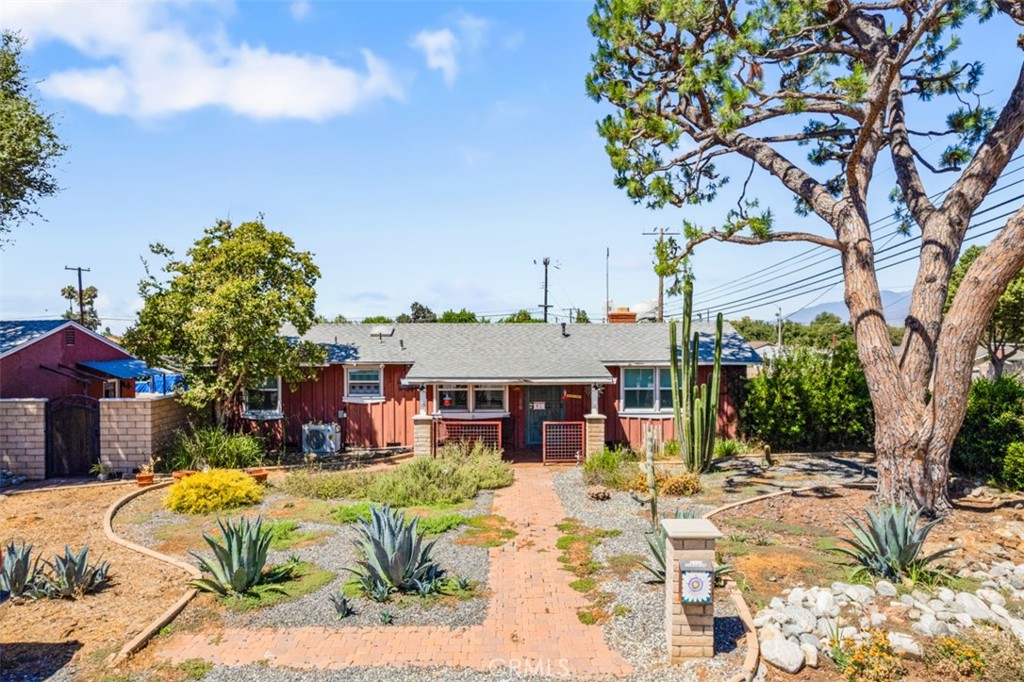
[238,564]
[484,464]
[423,482]
[214,447]
[959,657]
[613,468]
[214,490]
[351,513]
[889,545]
[874,661]
[328,485]
[394,555]
[730,447]
[71,575]
[1013,466]
[994,420]
[441,523]
[670,448]
[684,484]
[19,571]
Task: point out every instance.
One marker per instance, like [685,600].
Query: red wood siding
[22,377]
[366,425]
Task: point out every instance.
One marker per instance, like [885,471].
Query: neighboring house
[57,358]
[379,379]
[767,351]
[1012,367]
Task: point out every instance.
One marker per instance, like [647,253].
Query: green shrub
[436,524]
[1013,466]
[484,463]
[19,571]
[209,491]
[612,467]
[327,485]
[351,513]
[730,447]
[810,400]
[423,482]
[213,447]
[994,420]
[670,448]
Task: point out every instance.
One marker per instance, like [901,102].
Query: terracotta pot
[258,473]
[144,479]
[182,473]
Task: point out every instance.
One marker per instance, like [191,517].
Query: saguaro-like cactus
[694,406]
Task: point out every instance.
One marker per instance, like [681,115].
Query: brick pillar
[594,433]
[422,435]
[689,628]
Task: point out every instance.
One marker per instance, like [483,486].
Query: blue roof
[14,333]
[124,369]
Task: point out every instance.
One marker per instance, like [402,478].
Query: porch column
[423,399]
[594,436]
[422,435]
[689,627]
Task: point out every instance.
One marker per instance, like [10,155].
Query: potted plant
[101,470]
[182,473]
[145,475]
[258,473]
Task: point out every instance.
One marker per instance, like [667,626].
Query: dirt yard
[38,638]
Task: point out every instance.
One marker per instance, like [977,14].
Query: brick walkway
[531,619]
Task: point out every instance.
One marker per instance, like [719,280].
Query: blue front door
[543,404]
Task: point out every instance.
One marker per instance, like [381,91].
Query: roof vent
[564,332]
[382,330]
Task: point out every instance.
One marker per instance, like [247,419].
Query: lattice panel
[486,432]
[563,442]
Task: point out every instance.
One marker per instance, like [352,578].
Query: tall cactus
[694,406]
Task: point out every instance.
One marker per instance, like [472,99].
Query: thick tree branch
[907,175]
[733,238]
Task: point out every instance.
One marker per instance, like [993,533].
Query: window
[489,398]
[364,383]
[263,399]
[454,397]
[665,384]
[638,388]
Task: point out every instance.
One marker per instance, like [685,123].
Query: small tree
[219,314]
[378,319]
[29,146]
[90,318]
[582,317]
[417,313]
[463,316]
[522,316]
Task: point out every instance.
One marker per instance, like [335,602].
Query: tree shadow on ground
[729,630]
[32,661]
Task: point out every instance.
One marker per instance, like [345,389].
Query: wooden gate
[563,442]
[72,435]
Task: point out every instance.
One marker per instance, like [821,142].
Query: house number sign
[696,580]
[538,405]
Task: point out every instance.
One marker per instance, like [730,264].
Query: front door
[73,438]
[543,404]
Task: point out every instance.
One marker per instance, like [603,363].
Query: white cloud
[300,9]
[443,47]
[440,48]
[152,66]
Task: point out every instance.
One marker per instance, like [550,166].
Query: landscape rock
[905,646]
[599,493]
[783,654]
[810,655]
[974,607]
[810,639]
[770,632]
[885,588]
[945,594]
[861,594]
[991,596]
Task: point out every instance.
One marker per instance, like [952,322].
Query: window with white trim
[471,398]
[646,389]
[264,398]
[454,398]
[364,382]
[488,398]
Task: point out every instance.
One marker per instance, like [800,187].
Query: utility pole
[81,304]
[570,311]
[545,306]
[607,295]
[778,316]
[661,277]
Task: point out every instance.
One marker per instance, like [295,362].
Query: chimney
[622,316]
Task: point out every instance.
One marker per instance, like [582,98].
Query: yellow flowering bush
[684,484]
[209,491]
[873,661]
[962,658]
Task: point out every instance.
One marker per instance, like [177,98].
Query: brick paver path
[531,620]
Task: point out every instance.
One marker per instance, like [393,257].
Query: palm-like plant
[889,544]
[238,564]
[393,552]
[71,575]
[19,571]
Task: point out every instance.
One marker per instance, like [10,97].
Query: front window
[364,383]
[665,383]
[489,399]
[638,388]
[454,397]
[265,397]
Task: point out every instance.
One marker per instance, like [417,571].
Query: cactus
[694,406]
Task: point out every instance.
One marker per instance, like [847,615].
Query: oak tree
[705,89]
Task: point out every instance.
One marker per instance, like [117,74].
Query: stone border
[167,616]
[72,486]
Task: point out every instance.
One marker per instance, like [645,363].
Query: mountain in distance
[895,304]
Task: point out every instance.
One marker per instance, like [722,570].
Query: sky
[430,152]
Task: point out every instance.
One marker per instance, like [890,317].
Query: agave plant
[889,544]
[19,572]
[657,565]
[238,564]
[71,575]
[393,552]
[342,607]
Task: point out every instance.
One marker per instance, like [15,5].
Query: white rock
[848,632]
[811,640]
[860,593]
[964,620]
[776,604]
[906,600]
[946,595]
[992,597]
[810,655]
[905,646]
[885,588]
[783,654]
[799,616]
[936,605]
[796,596]
[974,607]
[877,618]
[769,632]
[825,605]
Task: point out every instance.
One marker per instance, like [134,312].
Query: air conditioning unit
[321,439]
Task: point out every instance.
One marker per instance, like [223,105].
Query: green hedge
[993,422]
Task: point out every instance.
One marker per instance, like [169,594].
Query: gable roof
[515,352]
[16,334]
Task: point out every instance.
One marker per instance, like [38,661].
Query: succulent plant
[889,544]
[393,552]
[387,617]
[238,564]
[657,565]
[342,607]
[460,584]
[379,592]
[71,575]
[19,572]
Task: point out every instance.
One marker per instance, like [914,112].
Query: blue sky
[423,151]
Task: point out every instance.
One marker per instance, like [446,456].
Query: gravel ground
[640,634]
[334,554]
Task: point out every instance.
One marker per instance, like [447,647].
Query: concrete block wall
[133,429]
[23,436]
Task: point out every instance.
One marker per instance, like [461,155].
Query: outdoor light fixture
[696,582]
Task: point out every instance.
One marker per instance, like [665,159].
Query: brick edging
[167,616]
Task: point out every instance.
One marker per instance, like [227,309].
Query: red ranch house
[412,385]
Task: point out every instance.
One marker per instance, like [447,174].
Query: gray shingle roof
[516,352]
[14,333]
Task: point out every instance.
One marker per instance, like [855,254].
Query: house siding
[21,374]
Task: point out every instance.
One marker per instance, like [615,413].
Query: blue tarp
[147,379]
